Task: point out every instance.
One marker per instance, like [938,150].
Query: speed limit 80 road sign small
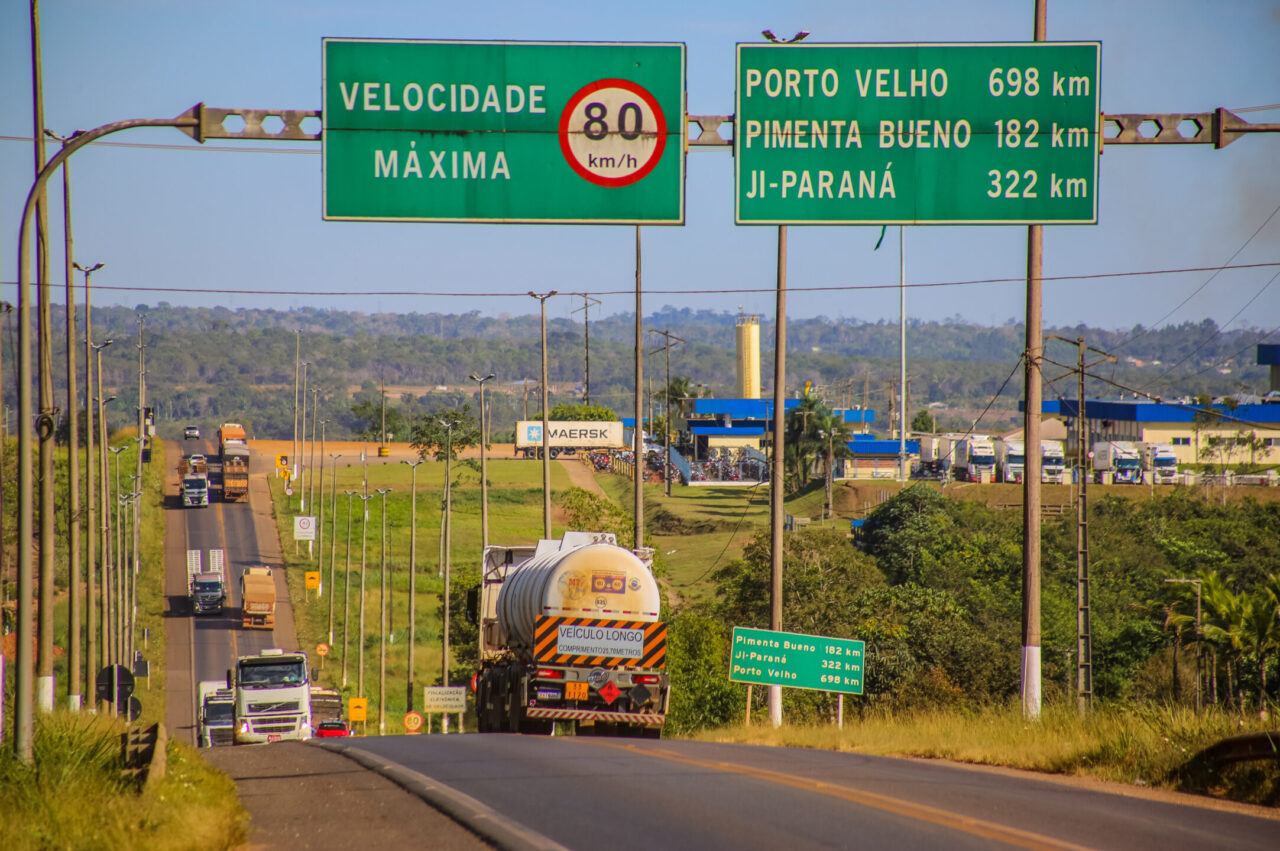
[473,131]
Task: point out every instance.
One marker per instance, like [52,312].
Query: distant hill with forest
[209,364]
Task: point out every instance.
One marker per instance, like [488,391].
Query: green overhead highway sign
[451,131]
[917,133]
[765,657]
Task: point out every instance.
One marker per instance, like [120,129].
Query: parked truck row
[980,458]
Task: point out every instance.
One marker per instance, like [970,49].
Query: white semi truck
[1053,462]
[975,459]
[569,632]
[1160,463]
[1117,462]
[216,714]
[272,697]
[1011,459]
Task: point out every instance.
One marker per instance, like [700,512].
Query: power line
[628,292]
[1198,289]
[1220,329]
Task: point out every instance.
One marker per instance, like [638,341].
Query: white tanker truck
[569,631]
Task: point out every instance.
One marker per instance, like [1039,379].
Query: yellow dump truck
[258,597]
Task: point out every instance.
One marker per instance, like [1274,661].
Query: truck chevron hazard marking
[654,654]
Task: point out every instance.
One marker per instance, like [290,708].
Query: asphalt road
[635,794]
[211,643]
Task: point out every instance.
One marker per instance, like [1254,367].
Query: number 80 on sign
[613,132]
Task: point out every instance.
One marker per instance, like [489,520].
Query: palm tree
[1224,616]
[831,426]
[801,437]
[1259,633]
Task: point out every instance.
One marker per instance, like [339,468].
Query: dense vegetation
[935,591]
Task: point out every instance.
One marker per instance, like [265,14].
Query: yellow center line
[898,806]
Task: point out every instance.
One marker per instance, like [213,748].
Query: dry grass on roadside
[1137,745]
[74,796]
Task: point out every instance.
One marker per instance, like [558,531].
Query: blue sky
[182,217]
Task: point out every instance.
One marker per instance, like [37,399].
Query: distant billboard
[570,434]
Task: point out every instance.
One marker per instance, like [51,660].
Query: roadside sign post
[304,529]
[767,657]
[444,700]
[493,131]
[917,133]
[358,710]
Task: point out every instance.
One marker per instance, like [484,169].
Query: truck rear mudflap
[646,719]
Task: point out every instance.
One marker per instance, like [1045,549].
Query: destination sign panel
[452,131]
[766,657]
[917,133]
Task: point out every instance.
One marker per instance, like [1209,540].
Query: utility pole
[587,303]
[143,444]
[346,594]
[413,570]
[333,539]
[297,370]
[637,433]
[904,470]
[1084,627]
[302,442]
[484,472]
[448,555]
[666,458]
[778,475]
[1032,393]
[364,540]
[382,620]
[91,666]
[311,465]
[546,447]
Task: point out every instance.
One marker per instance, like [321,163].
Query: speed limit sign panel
[522,132]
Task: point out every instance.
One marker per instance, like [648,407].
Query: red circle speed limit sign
[612,132]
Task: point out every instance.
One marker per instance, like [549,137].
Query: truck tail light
[647,679]
[549,674]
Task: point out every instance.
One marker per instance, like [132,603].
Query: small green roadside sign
[497,131]
[766,657]
[917,133]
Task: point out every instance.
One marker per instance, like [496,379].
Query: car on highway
[331,729]
[190,432]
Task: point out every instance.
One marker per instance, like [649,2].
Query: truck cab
[195,490]
[216,712]
[1160,462]
[272,697]
[208,593]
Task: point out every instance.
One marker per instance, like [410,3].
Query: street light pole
[91,514]
[302,443]
[546,453]
[413,568]
[333,539]
[382,620]
[484,476]
[117,646]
